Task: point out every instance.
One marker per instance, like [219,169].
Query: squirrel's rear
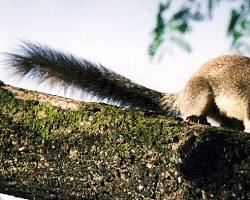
[219,90]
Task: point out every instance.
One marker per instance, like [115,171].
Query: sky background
[115,33]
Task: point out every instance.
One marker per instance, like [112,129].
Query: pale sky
[115,33]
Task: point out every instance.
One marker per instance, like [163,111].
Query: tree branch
[56,148]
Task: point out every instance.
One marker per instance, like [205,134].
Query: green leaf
[154,46]
[210,6]
[245,24]
[236,36]
[235,15]
[181,43]
[198,16]
[183,27]
[159,30]
[181,14]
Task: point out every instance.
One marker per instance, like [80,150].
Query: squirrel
[220,89]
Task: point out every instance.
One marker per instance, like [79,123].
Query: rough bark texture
[56,148]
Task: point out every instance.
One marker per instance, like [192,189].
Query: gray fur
[220,89]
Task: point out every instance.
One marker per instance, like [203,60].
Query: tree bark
[56,148]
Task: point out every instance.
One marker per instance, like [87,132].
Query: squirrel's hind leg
[196,100]
[247,120]
[198,119]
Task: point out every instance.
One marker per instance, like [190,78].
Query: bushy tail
[65,69]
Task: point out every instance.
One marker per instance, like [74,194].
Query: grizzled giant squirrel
[220,89]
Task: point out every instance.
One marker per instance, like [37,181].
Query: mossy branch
[57,148]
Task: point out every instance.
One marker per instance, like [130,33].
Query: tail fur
[67,70]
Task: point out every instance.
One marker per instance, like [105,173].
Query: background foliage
[173,24]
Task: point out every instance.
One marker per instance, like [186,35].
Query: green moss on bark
[104,152]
